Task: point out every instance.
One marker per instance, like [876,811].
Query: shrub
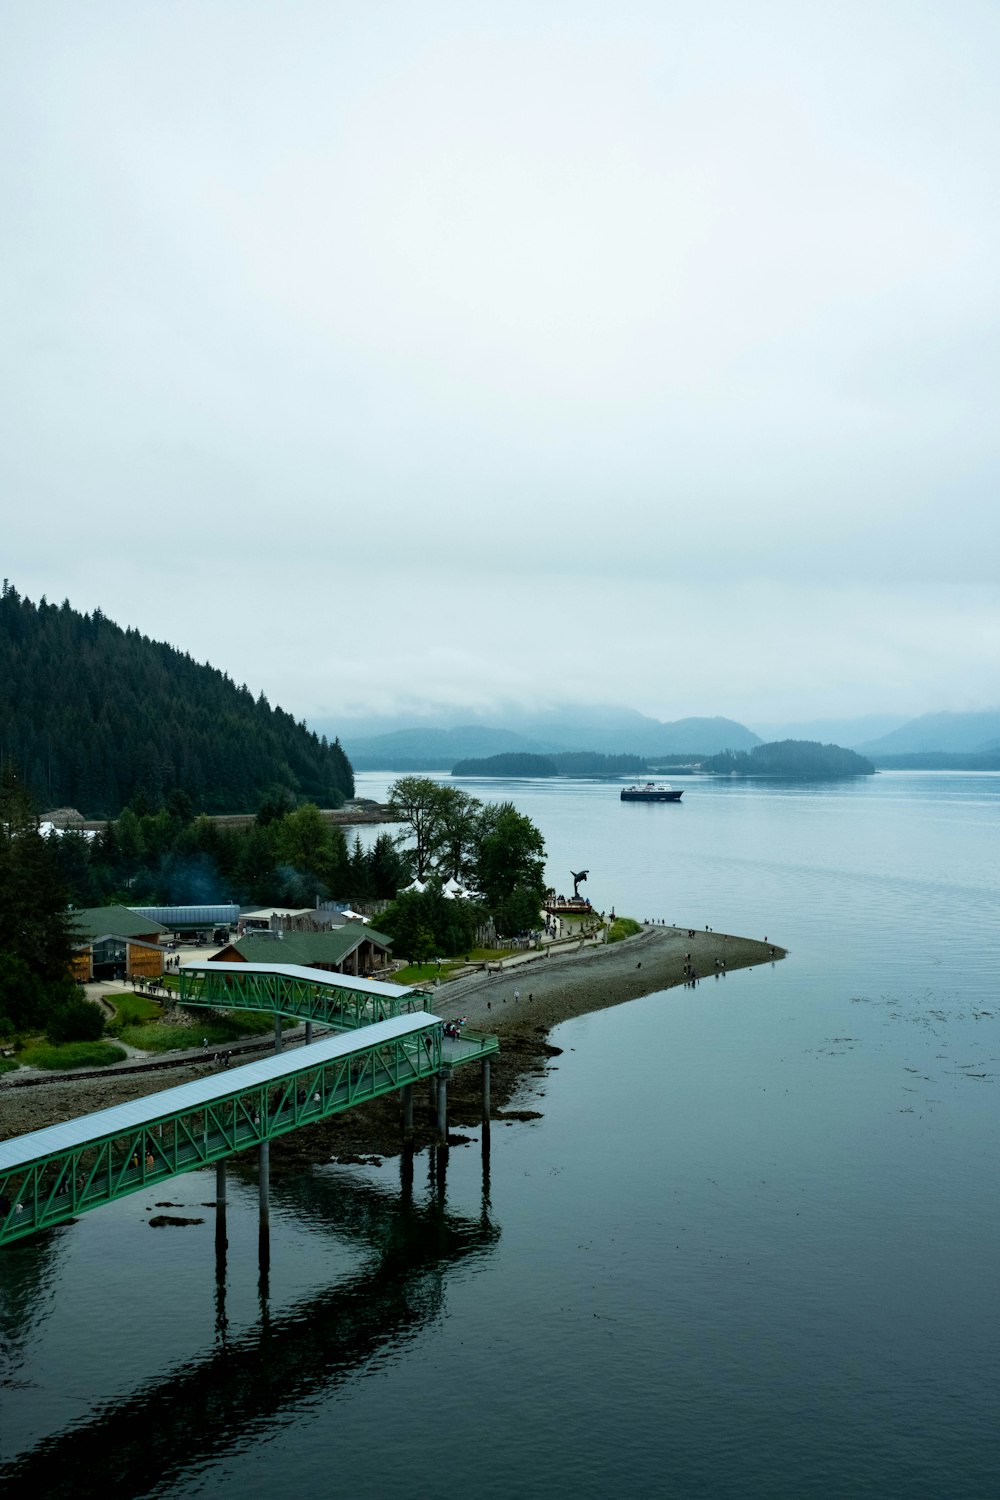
[219,1029]
[73,1055]
[623,927]
[75,1020]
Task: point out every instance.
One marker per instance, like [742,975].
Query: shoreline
[551,990]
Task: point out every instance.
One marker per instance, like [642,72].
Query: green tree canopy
[509,857]
[36,938]
[419,803]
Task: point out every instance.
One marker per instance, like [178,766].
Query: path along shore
[548,990]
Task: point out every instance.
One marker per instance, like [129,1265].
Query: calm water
[750,1250]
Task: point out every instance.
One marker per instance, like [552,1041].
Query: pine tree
[36,937]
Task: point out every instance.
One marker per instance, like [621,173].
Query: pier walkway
[52,1175]
[342,1001]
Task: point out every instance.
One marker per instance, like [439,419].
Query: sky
[395,355]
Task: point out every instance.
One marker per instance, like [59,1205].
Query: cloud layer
[544,350]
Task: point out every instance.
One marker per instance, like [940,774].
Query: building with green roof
[113,942]
[354,948]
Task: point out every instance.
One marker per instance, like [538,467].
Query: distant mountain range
[851,732]
[962,734]
[424,743]
[613,731]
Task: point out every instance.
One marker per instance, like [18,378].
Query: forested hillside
[99,718]
[802,759]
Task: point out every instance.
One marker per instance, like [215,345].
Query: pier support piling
[442,1107]
[221,1235]
[277,1034]
[264,1229]
[486,1091]
[309,1032]
[264,1183]
[408,1109]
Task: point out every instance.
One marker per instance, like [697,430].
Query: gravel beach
[555,988]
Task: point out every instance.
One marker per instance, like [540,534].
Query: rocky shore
[520,1004]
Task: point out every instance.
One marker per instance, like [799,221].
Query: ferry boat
[651,791]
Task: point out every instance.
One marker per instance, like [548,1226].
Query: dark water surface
[750,1250]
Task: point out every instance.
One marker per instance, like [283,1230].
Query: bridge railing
[39,1192]
[344,1007]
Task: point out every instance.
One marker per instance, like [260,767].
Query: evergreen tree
[36,938]
[95,717]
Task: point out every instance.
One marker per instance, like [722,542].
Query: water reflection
[29,1274]
[228,1396]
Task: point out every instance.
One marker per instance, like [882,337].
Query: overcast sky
[395,352]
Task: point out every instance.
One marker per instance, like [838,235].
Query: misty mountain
[851,732]
[609,729]
[959,733]
[435,749]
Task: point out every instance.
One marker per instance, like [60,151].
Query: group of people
[220,1059]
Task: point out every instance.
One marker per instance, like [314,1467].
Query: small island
[801,760]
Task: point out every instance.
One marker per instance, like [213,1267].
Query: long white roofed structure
[51,1175]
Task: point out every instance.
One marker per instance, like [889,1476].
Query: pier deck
[52,1175]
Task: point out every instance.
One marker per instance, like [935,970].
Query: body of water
[750,1249]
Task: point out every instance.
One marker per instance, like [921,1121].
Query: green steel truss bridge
[342,1001]
[52,1175]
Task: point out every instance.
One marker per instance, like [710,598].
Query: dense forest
[99,718]
[802,759]
[558,763]
[287,856]
[36,938]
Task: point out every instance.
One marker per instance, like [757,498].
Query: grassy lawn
[220,1031]
[71,1055]
[623,927]
[8,1064]
[425,973]
[132,1010]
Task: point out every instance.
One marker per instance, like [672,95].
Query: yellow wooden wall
[146,963]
